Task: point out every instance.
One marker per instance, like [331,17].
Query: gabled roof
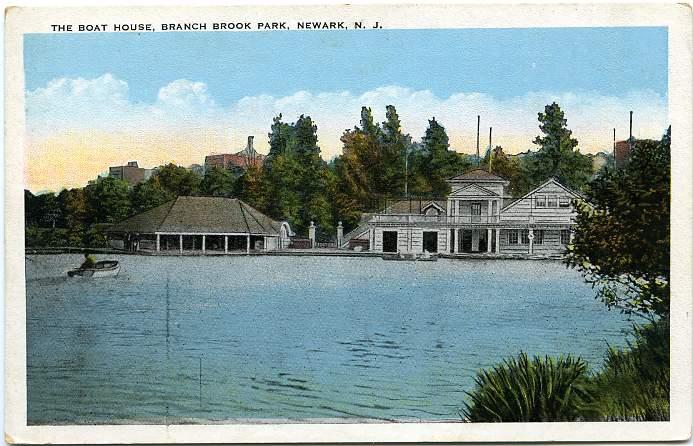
[200,215]
[412,206]
[432,204]
[474,190]
[478,174]
[541,186]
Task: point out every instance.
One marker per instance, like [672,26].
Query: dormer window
[541,201]
[552,201]
[564,201]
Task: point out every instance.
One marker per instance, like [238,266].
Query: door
[466,240]
[430,241]
[389,241]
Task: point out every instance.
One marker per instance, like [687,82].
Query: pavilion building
[206,225]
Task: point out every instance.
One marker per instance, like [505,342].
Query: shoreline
[317,252]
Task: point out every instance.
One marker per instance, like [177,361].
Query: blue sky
[499,62]
[175,97]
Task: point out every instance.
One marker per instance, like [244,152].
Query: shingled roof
[200,215]
[477,175]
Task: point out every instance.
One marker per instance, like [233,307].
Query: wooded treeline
[379,161]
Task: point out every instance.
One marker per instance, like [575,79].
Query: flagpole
[478,124]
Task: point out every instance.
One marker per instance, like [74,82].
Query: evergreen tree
[395,146]
[558,155]
[435,162]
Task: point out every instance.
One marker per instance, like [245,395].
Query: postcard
[348,223]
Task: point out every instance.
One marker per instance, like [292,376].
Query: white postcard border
[676,17]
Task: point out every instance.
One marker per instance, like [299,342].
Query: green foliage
[557,155]
[149,194]
[634,383]
[217,182]
[621,242]
[293,183]
[523,390]
[434,163]
[250,188]
[178,180]
[108,200]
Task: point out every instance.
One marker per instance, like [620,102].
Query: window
[476,208]
[565,236]
[525,236]
[539,237]
[541,201]
[564,202]
[512,237]
[552,201]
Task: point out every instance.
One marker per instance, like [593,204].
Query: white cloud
[103,104]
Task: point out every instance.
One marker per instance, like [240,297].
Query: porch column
[572,236]
[497,240]
[489,211]
[180,243]
[247,244]
[449,209]
[158,242]
[489,234]
[531,240]
[371,239]
[204,244]
[226,244]
[459,240]
[457,209]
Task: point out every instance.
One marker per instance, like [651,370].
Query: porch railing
[441,219]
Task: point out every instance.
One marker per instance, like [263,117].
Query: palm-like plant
[524,390]
[634,383]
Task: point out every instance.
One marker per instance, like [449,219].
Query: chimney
[250,144]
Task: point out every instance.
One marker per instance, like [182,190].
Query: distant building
[131,173]
[621,154]
[235,161]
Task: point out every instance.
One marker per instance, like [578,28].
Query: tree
[558,155]
[178,180]
[149,194]
[621,241]
[250,188]
[395,146]
[76,215]
[217,182]
[108,200]
[435,162]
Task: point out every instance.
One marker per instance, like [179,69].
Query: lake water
[183,339]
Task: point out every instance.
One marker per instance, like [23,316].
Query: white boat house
[477,217]
[204,225]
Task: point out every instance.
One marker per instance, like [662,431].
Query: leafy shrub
[634,383]
[523,390]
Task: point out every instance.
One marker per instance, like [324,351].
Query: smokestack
[630,138]
[478,123]
[614,142]
[490,148]
[250,143]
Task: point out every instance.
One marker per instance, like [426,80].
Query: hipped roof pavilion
[205,216]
